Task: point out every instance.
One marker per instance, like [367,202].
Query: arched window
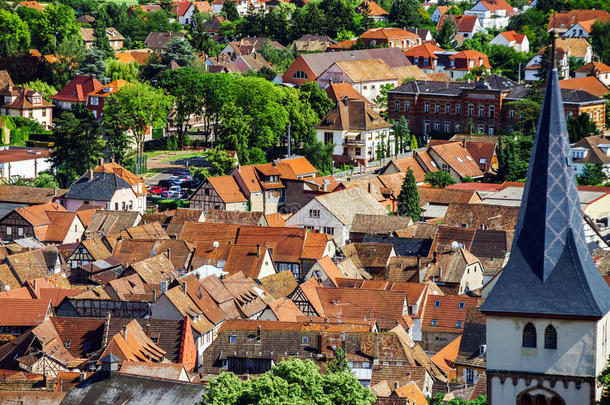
[529,335]
[299,74]
[550,338]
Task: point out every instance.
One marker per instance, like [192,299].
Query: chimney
[54,192]
[169,254]
[112,160]
[258,332]
[464,143]
[154,295]
[125,333]
[345,100]
[258,250]
[101,161]
[110,364]
[82,376]
[184,286]
[90,174]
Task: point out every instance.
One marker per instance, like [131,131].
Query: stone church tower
[548,314]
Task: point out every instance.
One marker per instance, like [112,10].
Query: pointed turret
[550,271]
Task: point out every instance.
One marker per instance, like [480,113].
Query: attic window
[304,340]
[437,304]
[459,160]
[232,338]
[433,323]
[461,305]
[67,343]
[468,157]
[458,324]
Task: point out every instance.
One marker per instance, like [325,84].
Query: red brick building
[458,107]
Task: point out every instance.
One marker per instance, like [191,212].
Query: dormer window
[437,304]
[433,323]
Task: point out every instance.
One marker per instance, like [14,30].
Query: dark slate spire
[550,270]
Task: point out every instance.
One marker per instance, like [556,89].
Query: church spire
[550,270]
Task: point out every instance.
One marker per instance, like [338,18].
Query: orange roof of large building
[567,19]
[339,91]
[109,88]
[590,84]
[227,189]
[374,9]
[471,54]
[23,312]
[593,68]
[424,50]
[513,36]
[300,166]
[446,313]
[454,154]
[496,5]
[388,34]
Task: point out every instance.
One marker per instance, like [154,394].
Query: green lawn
[181,155]
[128,2]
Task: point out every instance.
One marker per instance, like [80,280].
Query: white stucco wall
[575,354]
[507,393]
[302,219]
[24,168]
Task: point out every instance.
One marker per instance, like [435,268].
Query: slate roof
[550,270]
[101,188]
[109,222]
[403,246]
[159,40]
[473,337]
[580,97]
[133,389]
[482,216]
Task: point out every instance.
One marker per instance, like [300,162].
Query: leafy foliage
[134,109]
[604,379]
[44,180]
[116,70]
[339,363]
[179,51]
[229,11]
[289,382]
[14,34]
[581,127]
[43,88]
[445,35]
[532,23]
[592,175]
[408,199]
[513,157]
[600,38]
[221,163]
[405,13]
[186,86]
[78,143]
[439,179]
[527,112]
[94,64]
[438,400]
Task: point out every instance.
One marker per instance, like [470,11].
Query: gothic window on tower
[529,336]
[550,338]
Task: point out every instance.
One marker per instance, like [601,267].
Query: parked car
[170,195]
[169,182]
[156,190]
[175,189]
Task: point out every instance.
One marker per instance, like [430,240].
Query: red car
[157,190]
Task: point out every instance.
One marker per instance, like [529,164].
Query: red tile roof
[23,312]
[443,313]
[565,20]
[513,36]
[424,50]
[590,84]
[77,89]
[374,9]
[388,34]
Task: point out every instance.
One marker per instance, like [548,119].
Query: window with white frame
[447,108]
[458,109]
[407,106]
[396,106]
[427,107]
[447,126]
[511,114]
[481,111]
[299,74]
[437,125]
[492,111]
[470,110]
[437,108]
[314,213]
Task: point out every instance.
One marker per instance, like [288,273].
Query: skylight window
[469,158]
[459,160]
[433,323]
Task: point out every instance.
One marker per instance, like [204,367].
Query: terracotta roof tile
[590,84]
[443,313]
[374,9]
[339,91]
[279,285]
[24,312]
[286,243]
[252,218]
[413,394]
[227,189]
[209,232]
[445,358]
[564,20]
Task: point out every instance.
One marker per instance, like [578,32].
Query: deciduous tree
[135,109]
[439,179]
[600,38]
[581,127]
[14,34]
[405,13]
[593,174]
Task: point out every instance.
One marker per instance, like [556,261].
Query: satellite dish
[455,245]
[215,244]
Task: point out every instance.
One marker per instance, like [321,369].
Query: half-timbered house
[88,251]
[219,193]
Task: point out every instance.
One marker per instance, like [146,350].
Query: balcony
[353,139]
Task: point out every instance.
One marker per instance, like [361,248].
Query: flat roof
[17,154]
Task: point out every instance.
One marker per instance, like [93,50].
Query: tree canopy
[408,199]
[289,382]
[439,179]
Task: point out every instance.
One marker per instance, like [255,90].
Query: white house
[103,190]
[532,67]
[492,13]
[241,5]
[23,162]
[547,316]
[597,69]
[581,29]
[356,130]
[518,42]
[26,103]
[592,149]
[333,213]
[366,76]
